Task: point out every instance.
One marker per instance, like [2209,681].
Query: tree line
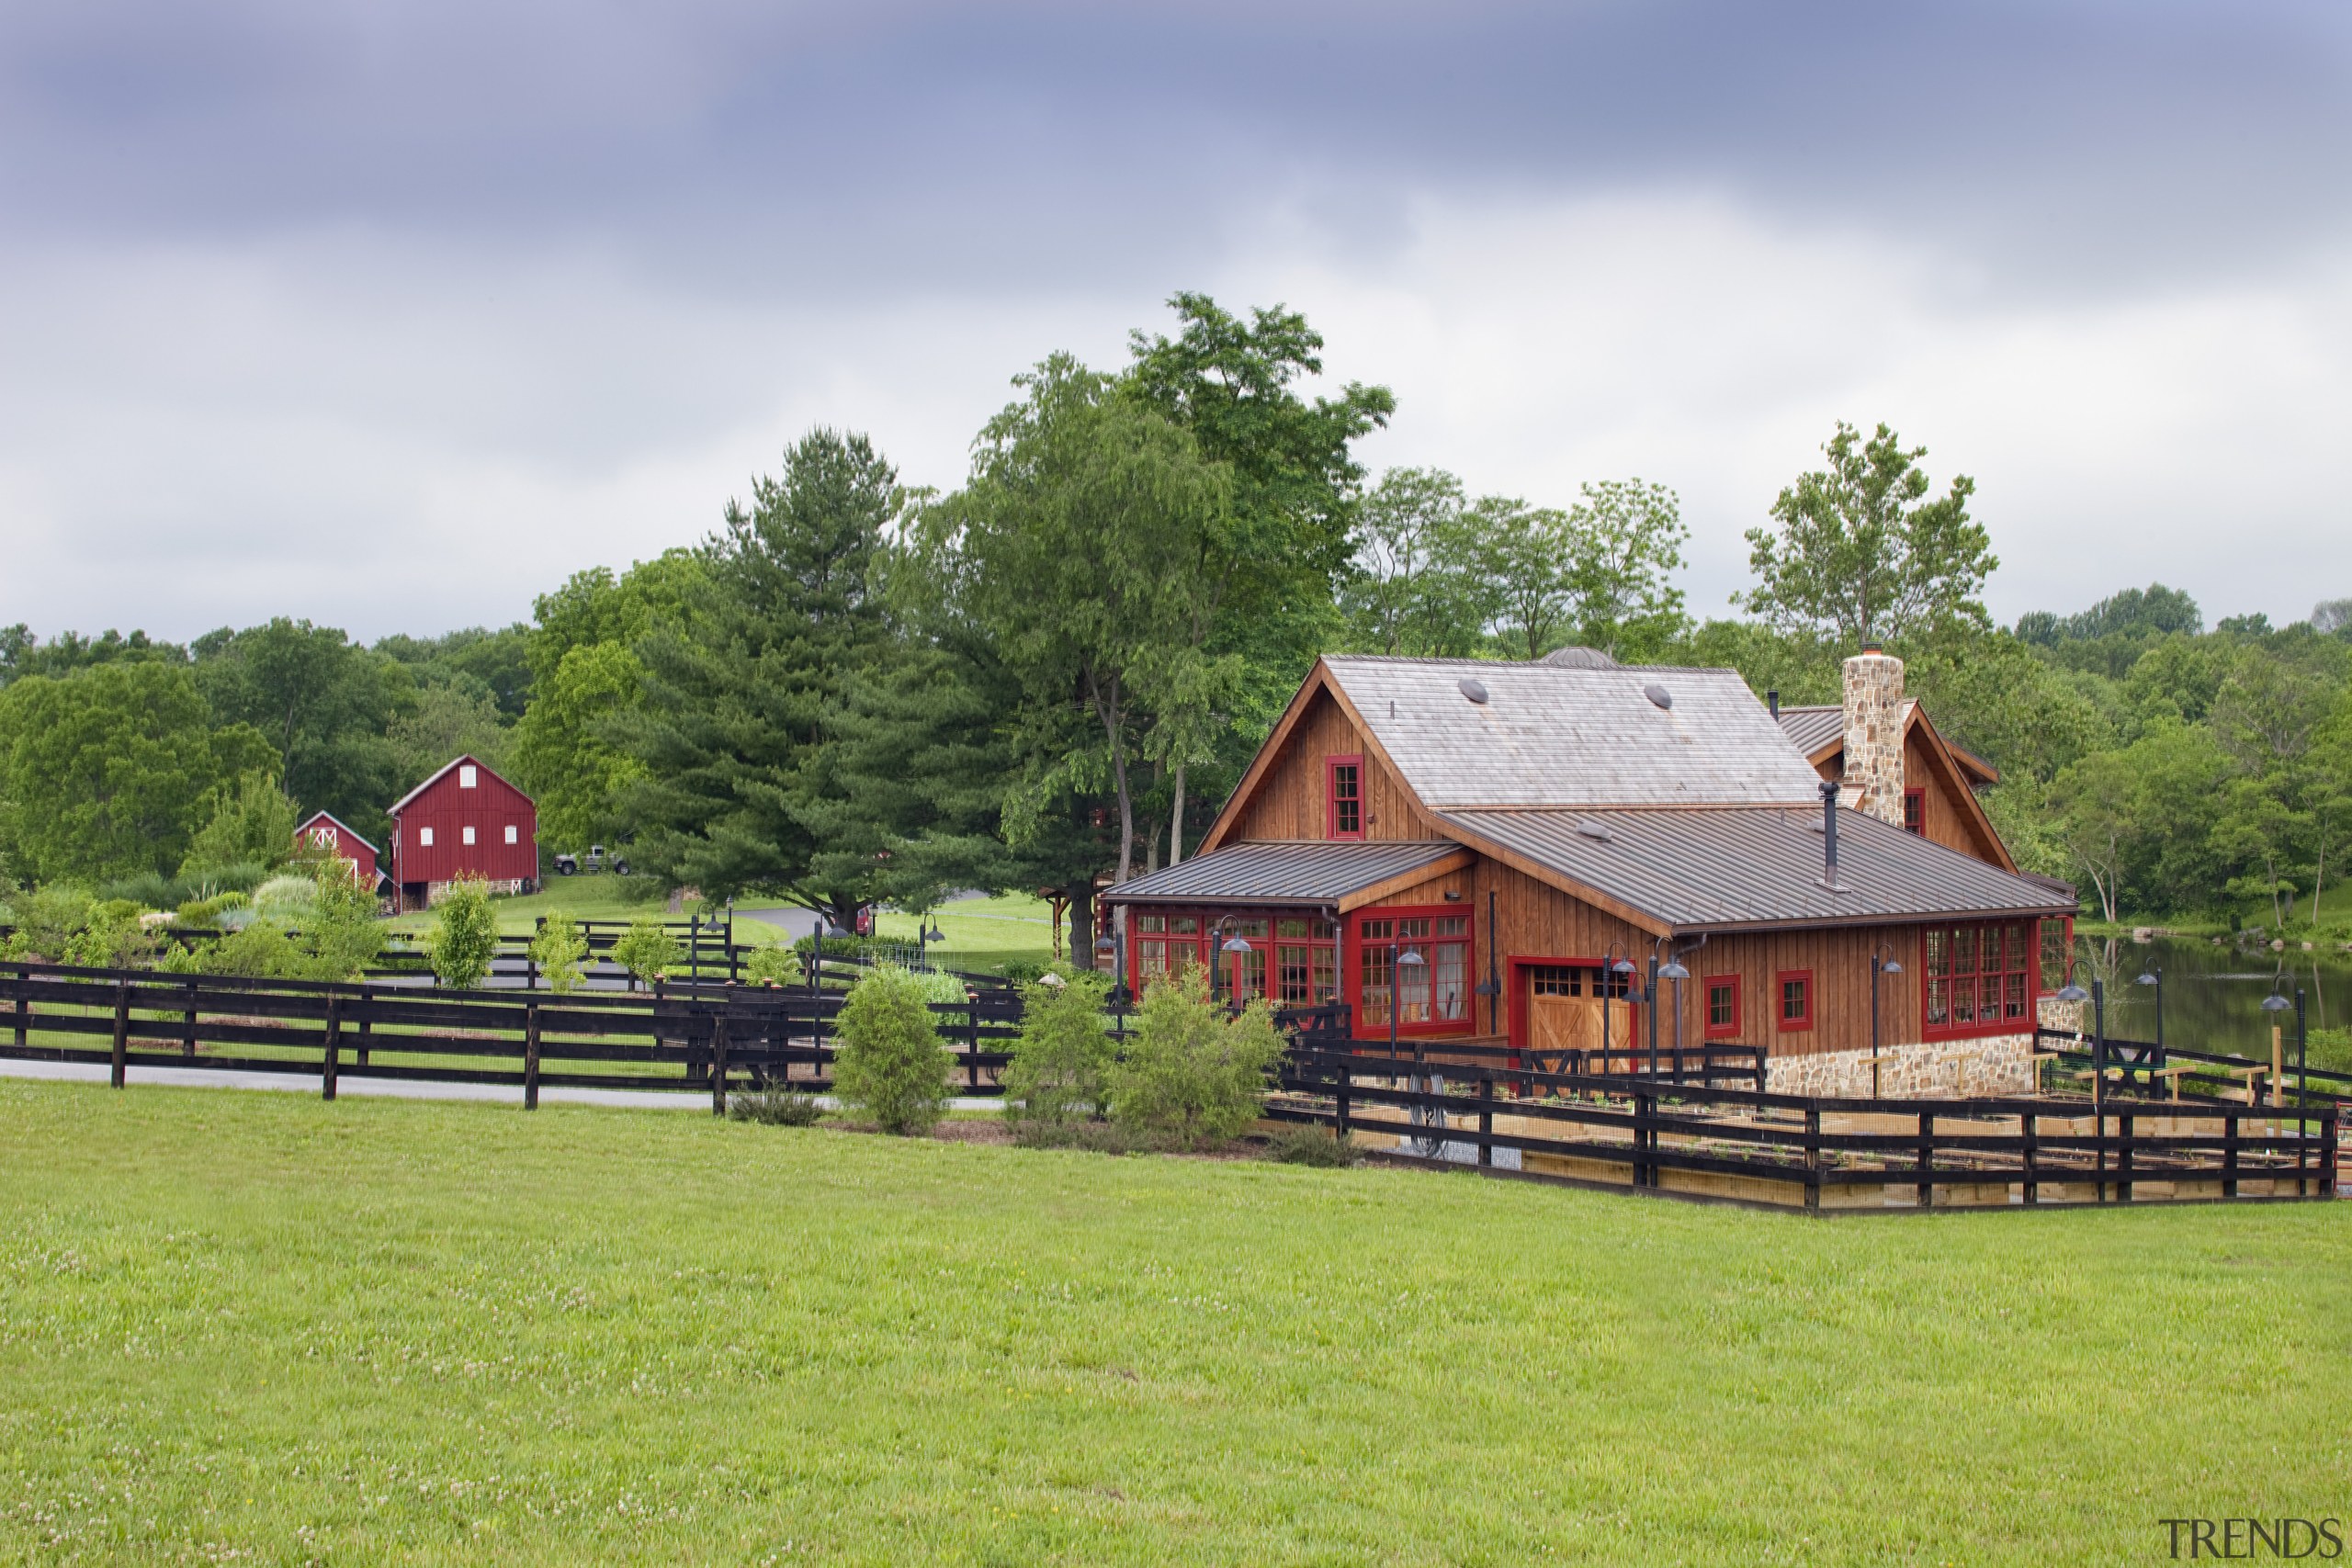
[856,691]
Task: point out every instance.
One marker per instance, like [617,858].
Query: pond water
[2213,994]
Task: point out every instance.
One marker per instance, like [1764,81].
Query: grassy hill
[255,1324]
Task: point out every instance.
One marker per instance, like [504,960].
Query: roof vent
[1593,829]
[1473,689]
[1578,658]
[1658,694]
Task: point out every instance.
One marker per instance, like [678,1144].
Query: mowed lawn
[260,1325]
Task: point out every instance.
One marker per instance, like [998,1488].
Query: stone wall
[1995,1065]
[1873,775]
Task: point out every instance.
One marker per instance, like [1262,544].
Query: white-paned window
[424,838]
[466,778]
[510,833]
[467,834]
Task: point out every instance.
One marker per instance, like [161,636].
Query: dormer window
[1343,797]
[466,772]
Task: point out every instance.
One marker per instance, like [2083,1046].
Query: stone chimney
[1873,778]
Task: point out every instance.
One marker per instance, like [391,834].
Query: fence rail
[1813,1152]
[1701,1124]
[712,1037]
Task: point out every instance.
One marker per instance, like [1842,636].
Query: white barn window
[424,838]
[467,834]
[510,833]
[466,777]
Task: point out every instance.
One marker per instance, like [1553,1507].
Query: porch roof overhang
[1332,875]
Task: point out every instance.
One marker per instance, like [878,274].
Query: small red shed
[463,822]
[330,833]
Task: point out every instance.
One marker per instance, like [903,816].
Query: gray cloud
[391,314]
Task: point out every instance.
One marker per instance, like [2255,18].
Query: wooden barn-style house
[463,822]
[1541,836]
[329,834]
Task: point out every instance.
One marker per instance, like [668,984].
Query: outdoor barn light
[2070,992]
[1882,961]
[2155,977]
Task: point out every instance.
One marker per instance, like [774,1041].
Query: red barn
[332,834]
[463,822]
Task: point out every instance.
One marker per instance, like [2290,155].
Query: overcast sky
[393,315]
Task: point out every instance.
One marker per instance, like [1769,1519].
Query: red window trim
[1707,1004]
[1800,1025]
[1918,794]
[2042,985]
[1352,967]
[1981,1029]
[1331,766]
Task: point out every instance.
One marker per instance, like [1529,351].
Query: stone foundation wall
[1997,1064]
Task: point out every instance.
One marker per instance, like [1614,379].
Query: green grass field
[983,933]
[262,1327]
[603,897]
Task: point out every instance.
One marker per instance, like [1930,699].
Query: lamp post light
[1491,987]
[924,936]
[2156,978]
[2075,996]
[1882,961]
[2274,1004]
[1613,962]
[1233,946]
[1670,970]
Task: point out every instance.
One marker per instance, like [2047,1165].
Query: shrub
[1094,1137]
[46,921]
[1061,1064]
[1193,1076]
[261,951]
[341,936]
[775,965]
[112,937]
[1305,1144]
[464,938]
[290,897]
[890,1063]
[245,820]
[559,950]
[1021,971]
[937,987]
[646,950]
[776,1106]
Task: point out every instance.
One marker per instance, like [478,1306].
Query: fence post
[1487,1118]
[187,1023]
[367,1021]
[1644,1175]
[1813,1158]
[2124,1160]
[2028,1128]
[972,1047]
[1340,1094]
[1927,1160]
[121,1033]
[2229,1155]
[531,1056]
[24,1005]
[719,1064]
[333,1047]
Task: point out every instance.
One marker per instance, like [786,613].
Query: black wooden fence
[690,1037]
[1648,1132]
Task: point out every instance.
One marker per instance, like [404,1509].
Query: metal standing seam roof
[1549,736]
[1256,871]
[1730,867]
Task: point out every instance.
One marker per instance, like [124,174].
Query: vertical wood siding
[1289,800]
